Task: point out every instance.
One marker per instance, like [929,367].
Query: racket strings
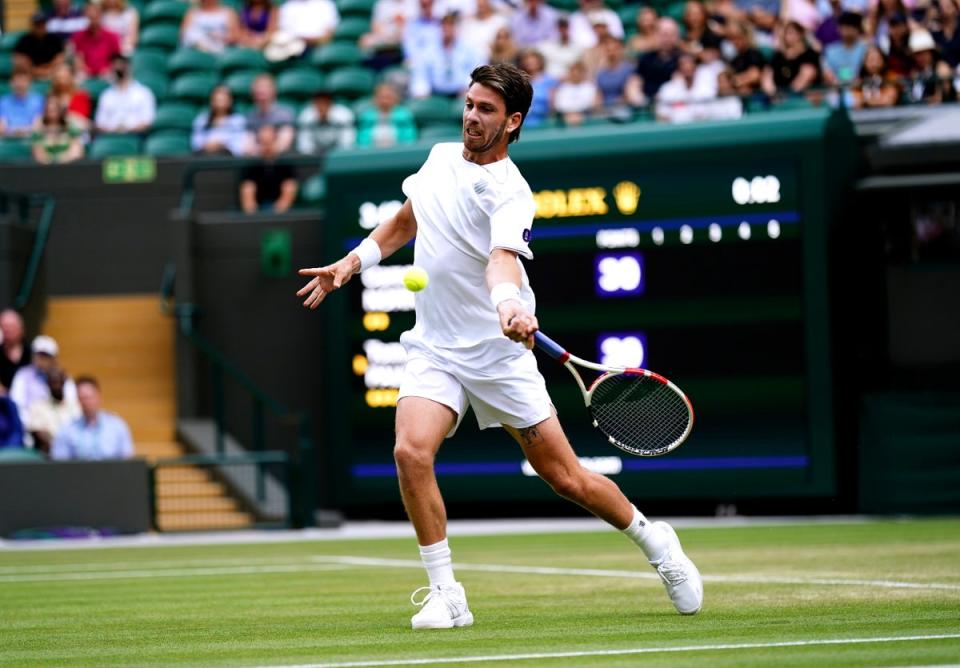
[639,414]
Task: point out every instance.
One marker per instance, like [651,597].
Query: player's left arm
[504,281]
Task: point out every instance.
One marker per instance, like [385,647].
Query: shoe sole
[466,619]
[676,539]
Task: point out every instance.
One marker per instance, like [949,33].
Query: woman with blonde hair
[56,140]
[122,20]
[209,26]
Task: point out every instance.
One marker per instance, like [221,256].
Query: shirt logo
[527,235]
[479,187]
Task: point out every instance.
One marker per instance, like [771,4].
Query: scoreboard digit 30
[698,252]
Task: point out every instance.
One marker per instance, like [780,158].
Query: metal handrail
[44,223]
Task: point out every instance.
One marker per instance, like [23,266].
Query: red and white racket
[639,411]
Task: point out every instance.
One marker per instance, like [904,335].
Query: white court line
[622,652]
[57,568]
[640,575]
[171,573]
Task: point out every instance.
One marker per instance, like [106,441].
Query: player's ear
[514,121]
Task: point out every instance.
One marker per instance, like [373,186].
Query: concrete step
[197,522]
[190,505]
[193,490]
[181,474]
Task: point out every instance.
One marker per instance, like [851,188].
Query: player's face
[486,125]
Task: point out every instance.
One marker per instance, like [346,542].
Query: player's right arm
[391,235]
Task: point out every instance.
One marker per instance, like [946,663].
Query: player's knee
[568,484]
[409,457]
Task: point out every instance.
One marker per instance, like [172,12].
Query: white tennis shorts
[499,380]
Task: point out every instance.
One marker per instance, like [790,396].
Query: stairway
[17,14]
[128,345]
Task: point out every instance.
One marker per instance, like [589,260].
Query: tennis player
[470,211]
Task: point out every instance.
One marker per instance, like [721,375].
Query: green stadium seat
[792,102]
[14,150]
[361,104]
[437,131]
[105,146]
[175,116]
[242,59]
[351,82]
[6,65]
[313,191]
[335,55]
[628,16]
[299,84]
[190,60]
[565,5]
[40,86]
[164,12]
[149,60]
[164,37]
[95,88]
[430,110]
[157,82]
[167,143]
[193,86]
[362,8]
[351,28]
[239,84]
[9,40]
[11,455]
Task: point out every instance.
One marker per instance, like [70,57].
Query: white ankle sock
[652,541]
[438,562]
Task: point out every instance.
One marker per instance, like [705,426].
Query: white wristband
[501,292]
[369,253]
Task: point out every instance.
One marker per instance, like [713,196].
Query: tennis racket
[639,411]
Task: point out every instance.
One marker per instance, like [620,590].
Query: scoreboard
[697,252]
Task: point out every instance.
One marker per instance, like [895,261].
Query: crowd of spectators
[673,62]
[42,408]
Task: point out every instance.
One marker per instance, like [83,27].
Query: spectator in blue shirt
[445,69]
[11,429]
[219,129]
[844,59]
[420,34]
[96,434]
[533,63]
[21,108]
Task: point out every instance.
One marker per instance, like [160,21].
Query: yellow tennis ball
[415,279]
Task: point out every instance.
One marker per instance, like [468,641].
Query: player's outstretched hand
[327,279]
[517,323]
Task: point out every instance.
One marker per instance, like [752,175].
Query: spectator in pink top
[95,46]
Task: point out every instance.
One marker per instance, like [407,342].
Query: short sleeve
[511,223]
[410,183]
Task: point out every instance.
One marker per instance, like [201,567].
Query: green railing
[24,204]
[304,472]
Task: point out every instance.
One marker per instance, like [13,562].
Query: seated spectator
[74,100]
[613,76]
[56,140]
[47,417]
[828,32]
[386,122]
[385,39]
[123,21]
[30,383]
[209,27]
[655,68]
[931,80]
[258,20]
[11,428]
[267,186]
[21,108]
[843,59]
[804,13]
[762,17]
[896,46]
[127,106]
[325,125]
[96,434]
[532,62]
[504,49]
[697,34]
[534,22]
[560,53]
[592,12]
[947,33]
[880,15]
[313,21]
[38,50]
[219,129]
[876,86]
[94,47]
[64,19]
[593,56]
[747,63]
[577,97]
[445,69]
[645,38]
[421,33]
[480,29]
[678,100]
[795,67]
[12,351]
[266,111]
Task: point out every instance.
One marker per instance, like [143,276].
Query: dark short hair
[513,86]
[851,19]
[87,380]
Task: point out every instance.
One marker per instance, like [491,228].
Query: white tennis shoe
[443,607]
[680,577]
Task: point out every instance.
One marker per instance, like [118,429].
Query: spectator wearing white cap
[592,12]
[96,434]
[931,77]
[30,383]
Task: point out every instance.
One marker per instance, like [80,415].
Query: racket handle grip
[549,346]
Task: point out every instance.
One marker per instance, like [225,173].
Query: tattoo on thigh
[529,436]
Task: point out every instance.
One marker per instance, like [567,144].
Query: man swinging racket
[470,211]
